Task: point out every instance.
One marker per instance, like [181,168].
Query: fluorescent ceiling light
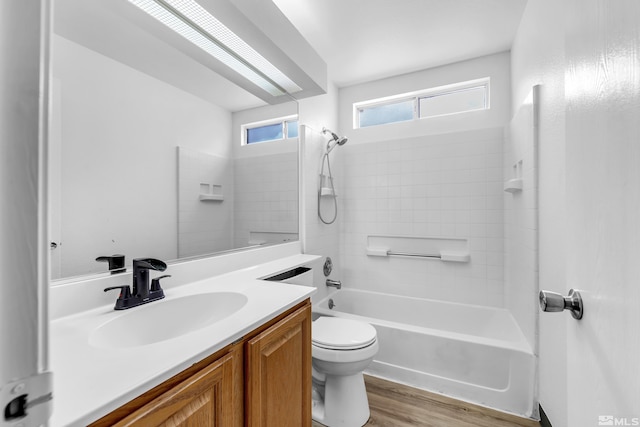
[193,22]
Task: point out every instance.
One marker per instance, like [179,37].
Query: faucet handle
[156,292]
[155,283]
[124,299]
[125,292]
[116,263]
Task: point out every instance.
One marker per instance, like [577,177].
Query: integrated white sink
[166,319]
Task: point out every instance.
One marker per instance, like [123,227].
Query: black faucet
[141,293]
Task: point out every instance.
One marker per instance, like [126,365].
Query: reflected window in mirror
[270,130]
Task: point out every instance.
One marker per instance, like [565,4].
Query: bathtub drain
[331,304]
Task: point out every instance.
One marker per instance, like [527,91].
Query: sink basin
[163,320]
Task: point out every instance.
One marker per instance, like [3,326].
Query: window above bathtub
[270,130]
[472,95]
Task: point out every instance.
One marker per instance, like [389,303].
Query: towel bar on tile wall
[443,256]
[390,253]
[446,249]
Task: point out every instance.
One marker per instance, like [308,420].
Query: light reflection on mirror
[144,163]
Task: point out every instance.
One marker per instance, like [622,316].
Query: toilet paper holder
[554,302]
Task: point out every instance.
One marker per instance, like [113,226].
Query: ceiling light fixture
[193,22]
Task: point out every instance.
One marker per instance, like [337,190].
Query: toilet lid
[341,334]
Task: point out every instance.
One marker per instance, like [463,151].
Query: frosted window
[264,133]
[271,130]
[386,113]
[454,102]
[436,101]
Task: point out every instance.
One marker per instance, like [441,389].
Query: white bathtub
[469,352]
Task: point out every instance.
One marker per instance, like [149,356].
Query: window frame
[426,93]
[283,121]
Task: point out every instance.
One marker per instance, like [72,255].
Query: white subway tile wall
[320,239]
[266,197]
[448,185]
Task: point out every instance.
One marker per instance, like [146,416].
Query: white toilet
[341,349]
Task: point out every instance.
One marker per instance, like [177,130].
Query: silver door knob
[552,301]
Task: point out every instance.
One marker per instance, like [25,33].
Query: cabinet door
[203,400]
[279,373]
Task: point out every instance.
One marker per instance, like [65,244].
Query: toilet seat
[334,333]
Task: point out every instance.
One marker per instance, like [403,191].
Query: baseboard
[544,420]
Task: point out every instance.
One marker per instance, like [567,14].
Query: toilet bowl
[341,349]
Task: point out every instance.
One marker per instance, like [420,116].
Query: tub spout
[334,283]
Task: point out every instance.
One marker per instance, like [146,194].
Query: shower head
[342,140]
[335,139]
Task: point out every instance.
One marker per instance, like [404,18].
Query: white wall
[204,226]
[537,57]
[443,186]
[266,198]
[318,238]
[119,129]
[521,219]
[494,66]
[266,180]
[436,177]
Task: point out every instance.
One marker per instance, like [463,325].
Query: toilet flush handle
[553,302]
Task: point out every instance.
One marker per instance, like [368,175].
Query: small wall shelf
[211,197]
[211,193]
[513,185]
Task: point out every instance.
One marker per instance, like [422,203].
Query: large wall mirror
[146,157]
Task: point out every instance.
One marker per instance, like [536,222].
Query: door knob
[552,301]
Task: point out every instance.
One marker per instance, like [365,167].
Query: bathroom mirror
[146,157]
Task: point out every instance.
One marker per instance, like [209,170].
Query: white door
[602,81]
[24,384]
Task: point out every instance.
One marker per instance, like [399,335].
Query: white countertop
[90,382]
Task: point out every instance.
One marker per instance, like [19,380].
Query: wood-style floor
[397,405]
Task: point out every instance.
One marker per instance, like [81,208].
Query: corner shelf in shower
[447,249]
[513,185]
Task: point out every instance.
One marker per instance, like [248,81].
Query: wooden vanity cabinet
[262,380]
[203,400]
[278,373]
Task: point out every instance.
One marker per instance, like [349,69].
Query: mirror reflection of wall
[266,178]
[133,150]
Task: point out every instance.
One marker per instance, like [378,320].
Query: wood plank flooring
[397,405]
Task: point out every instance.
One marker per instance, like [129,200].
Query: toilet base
[345,401]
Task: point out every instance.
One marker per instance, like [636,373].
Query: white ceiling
[364,40]
[361,40]
[121,32]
